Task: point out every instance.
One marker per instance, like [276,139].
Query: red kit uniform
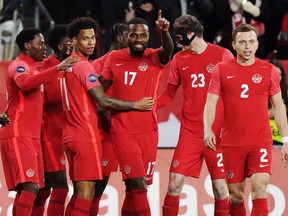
[109,160]
[193,72]
[245,92]
[134,78]
[20,140]
[53,120]
[80,133]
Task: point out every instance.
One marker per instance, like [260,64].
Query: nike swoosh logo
[230,77]
[263,165]
[118,64]
[184,68]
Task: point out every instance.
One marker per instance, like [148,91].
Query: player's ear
[119,39]
[27,45]
[74,39]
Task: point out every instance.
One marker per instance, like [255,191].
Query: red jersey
[98,64]
[53,114]
[80,108]
[133,78]
[193,72]
[25,98]
[245,92]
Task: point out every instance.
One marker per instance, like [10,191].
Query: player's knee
[236,198]
[175,187]
[31,187]
[220,190]
[136,183]
[259,191]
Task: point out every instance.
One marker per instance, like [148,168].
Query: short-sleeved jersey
[80,108]
[53,113]
[133,78]
[98,64]
[24,107]
[245,91]
[193,72]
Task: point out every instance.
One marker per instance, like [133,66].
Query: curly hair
[56,35]
[79,24]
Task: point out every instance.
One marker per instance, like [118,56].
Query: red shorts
[188,158]
[53,150]
[242,162]
[109,160]
[84,160]
[22,161]
[136,154]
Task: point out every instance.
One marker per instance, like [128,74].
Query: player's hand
[144,104]
[68,62]
[147,7]
[210,140]
[162,24]
[285,154]
[4,119]
[69,48]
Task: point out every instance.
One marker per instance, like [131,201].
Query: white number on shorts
[245,90]
[220,160]
[264,154]
[131,76]
[150,169]
[198,78]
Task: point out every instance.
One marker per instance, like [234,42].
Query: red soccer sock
[39,203]
[171,205]
[237,210]
[15,204]
[57,202]
[70,205]
[25,203]
[81,207]
[127,208]
[140,202]
[260,207]
[95,206]
[221,207]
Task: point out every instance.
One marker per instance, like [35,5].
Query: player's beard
[136,52]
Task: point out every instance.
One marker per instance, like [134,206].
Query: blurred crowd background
[270,18]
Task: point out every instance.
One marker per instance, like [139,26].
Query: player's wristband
[285,139]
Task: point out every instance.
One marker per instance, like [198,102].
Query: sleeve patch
[20,69]
[92,78]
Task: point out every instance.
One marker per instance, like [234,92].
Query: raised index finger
[160,14]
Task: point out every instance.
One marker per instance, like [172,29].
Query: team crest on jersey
[105,162]
[127,169]
[230,174]
[63,161]
[92,78]
[210,67]
[175,163]
[256,78]
[20,69]
[30,173]
[143,66]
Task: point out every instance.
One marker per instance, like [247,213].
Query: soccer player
[20,140]
[135,72]
[119,36]
[192,68]
[245,83]
[81,90]
[53,121]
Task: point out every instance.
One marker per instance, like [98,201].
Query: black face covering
[181,37]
